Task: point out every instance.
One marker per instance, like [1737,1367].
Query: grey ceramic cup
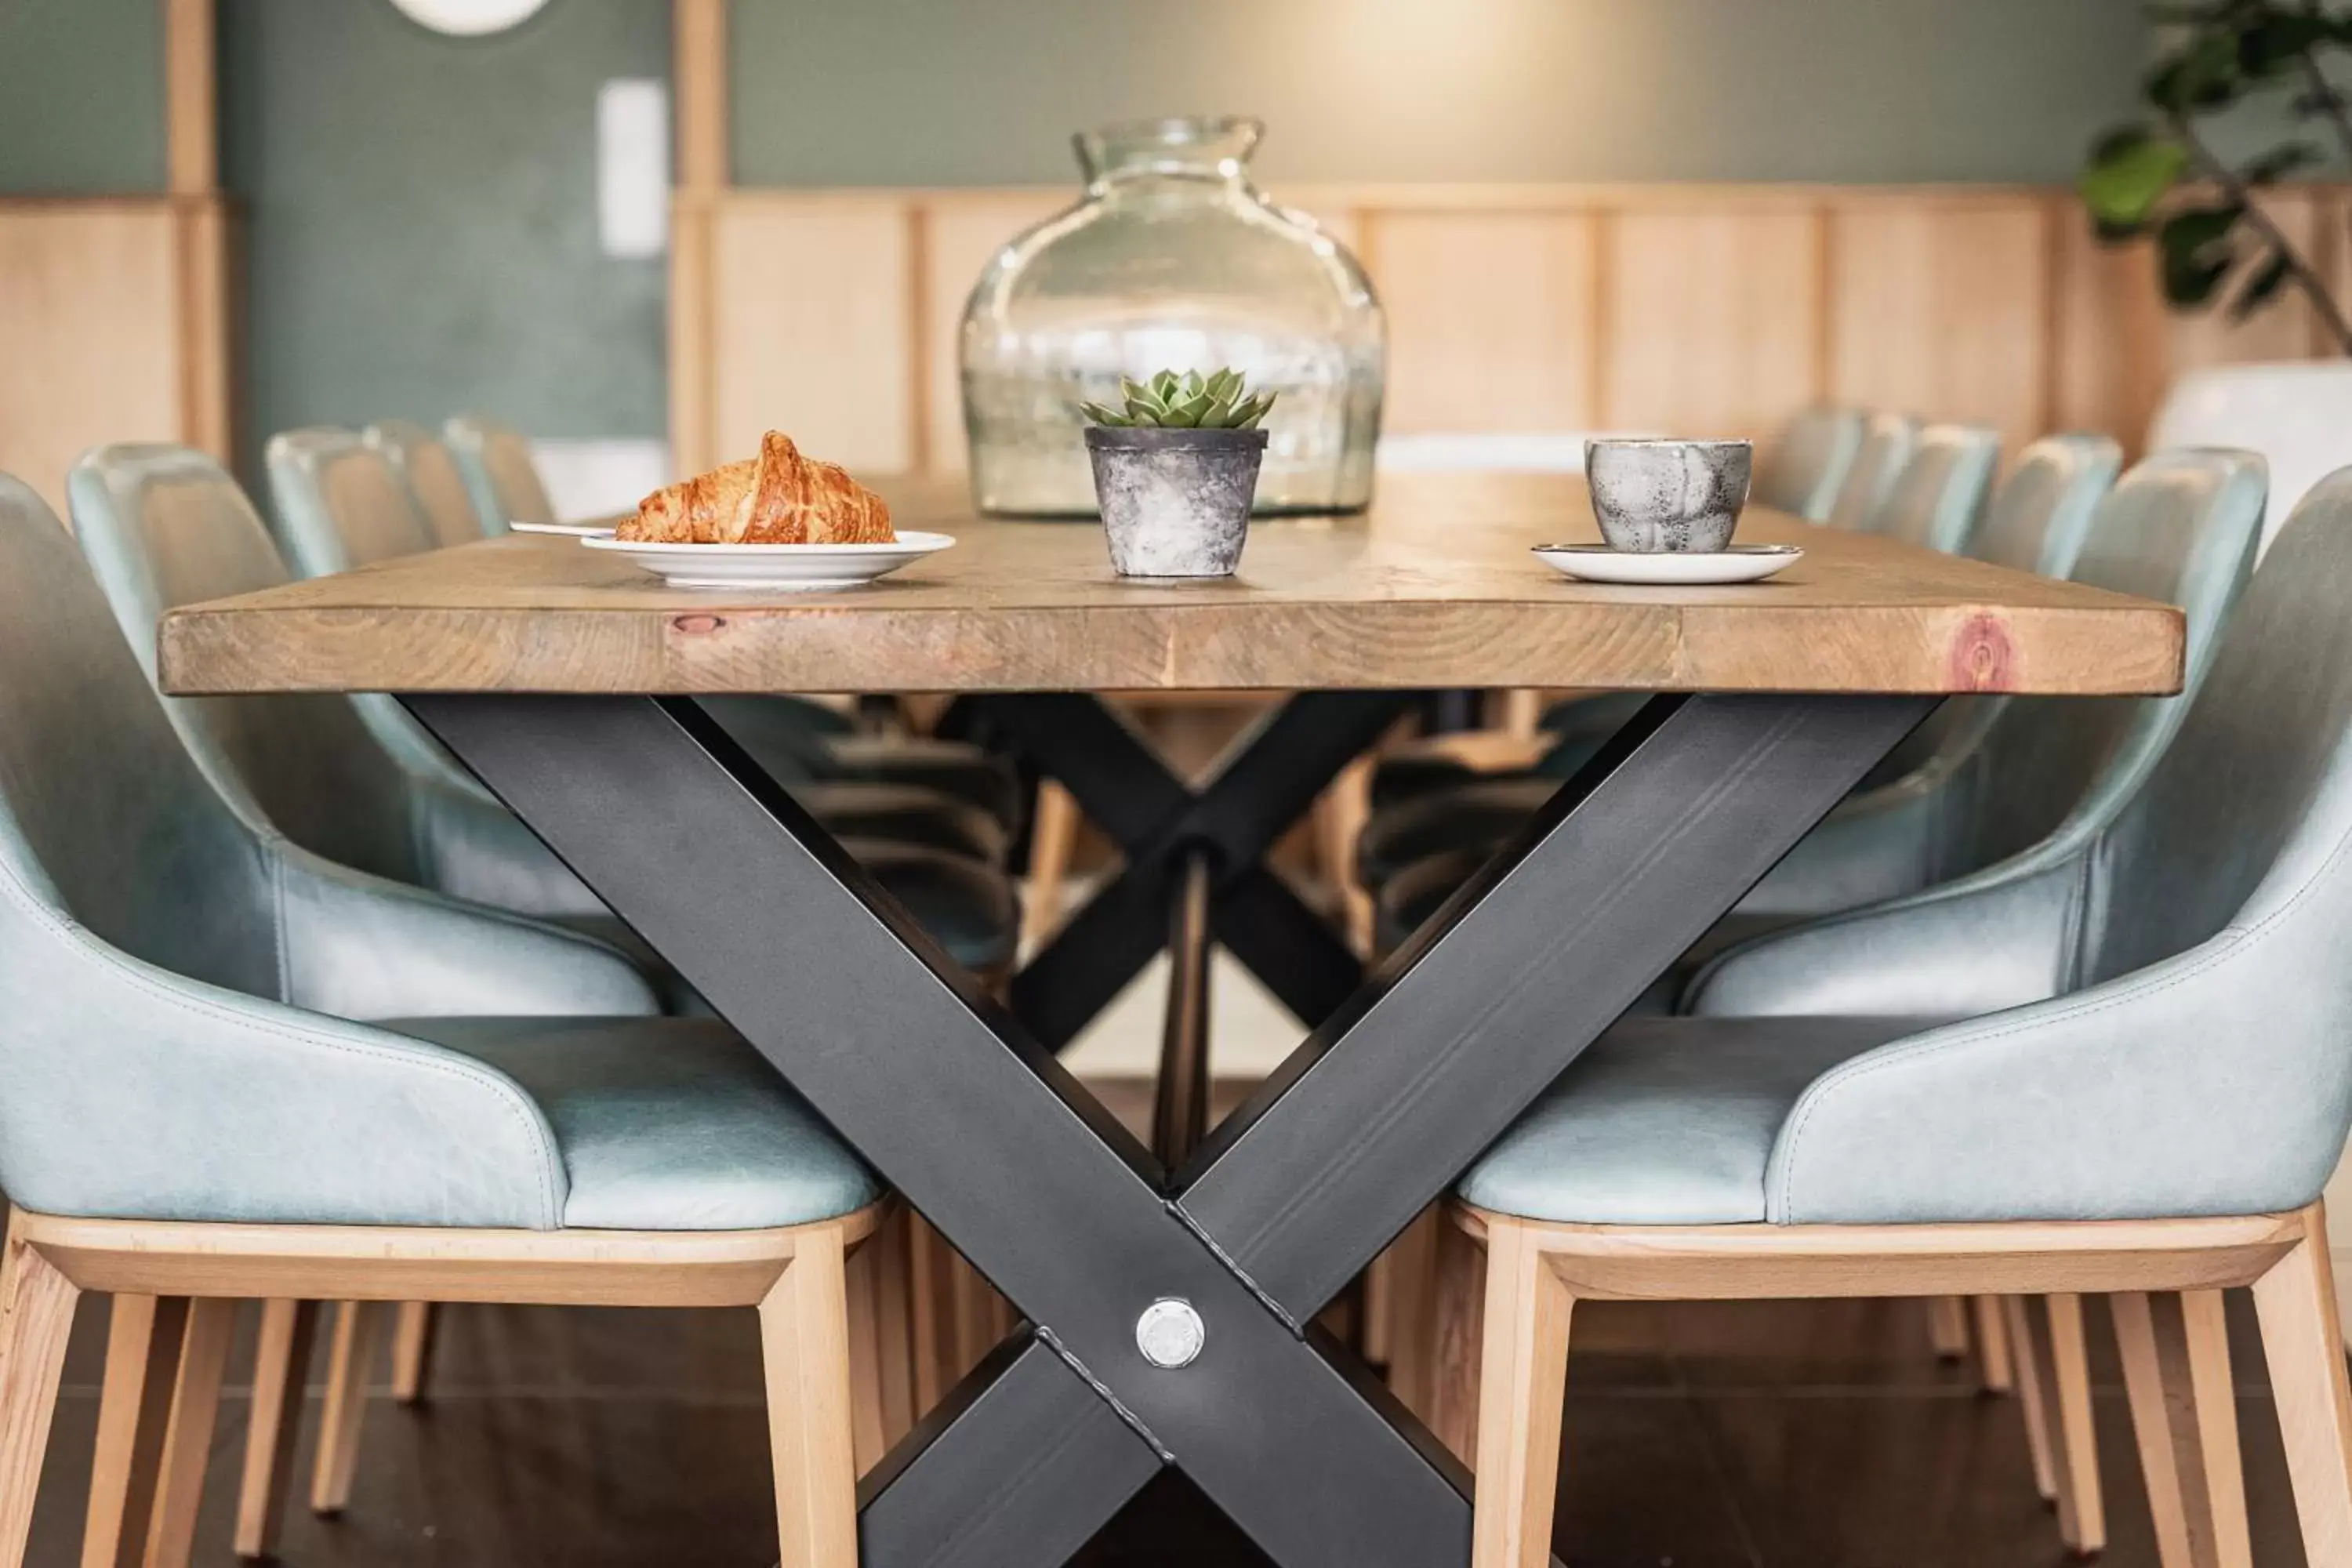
[1655,496]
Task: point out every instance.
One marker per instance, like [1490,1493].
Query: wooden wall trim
[191,116]
[699,92]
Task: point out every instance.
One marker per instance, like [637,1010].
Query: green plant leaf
[1225,385]
[2260,288]
[1129,392]
[1101,416]
[2128,175]
[2275,43]
[2194,251]
[1163,386]
[1186,415]
[2202,74]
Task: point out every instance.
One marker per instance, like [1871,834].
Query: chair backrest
[1885,447]
[2296,414]
[499,475]
[1806,467]
[2041,514]
[340,503]
[2245,824]
[104,820]
[424,460]
[1938,498]
[2052,771]
[163,526]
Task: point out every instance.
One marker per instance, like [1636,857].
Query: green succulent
[1189,402]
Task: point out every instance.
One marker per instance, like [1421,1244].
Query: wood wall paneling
[812,330]
[90,312]
[1493,319]
[1713,320]
[1942,307]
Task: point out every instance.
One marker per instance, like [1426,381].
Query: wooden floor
[1721,1436]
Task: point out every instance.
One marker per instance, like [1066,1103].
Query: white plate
[1599,563]
[810,567]
[566,529]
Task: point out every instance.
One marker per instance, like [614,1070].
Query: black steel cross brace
[973,1120]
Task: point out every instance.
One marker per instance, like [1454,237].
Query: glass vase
[1172,260]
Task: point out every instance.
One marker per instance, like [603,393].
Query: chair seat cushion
[667,1123]
[1666,1121]
[960,772]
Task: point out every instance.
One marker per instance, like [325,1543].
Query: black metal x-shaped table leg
[963,1110]
[1262,785]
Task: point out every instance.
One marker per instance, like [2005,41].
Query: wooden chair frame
[2176,1357]
[177,1285]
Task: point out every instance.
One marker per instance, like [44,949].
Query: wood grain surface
[1434,587]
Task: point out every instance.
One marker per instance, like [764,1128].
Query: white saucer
[565,529]
[808,567]
[1734,563]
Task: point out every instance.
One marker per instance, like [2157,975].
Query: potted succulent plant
[1175,471]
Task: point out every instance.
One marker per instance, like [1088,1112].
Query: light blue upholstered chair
[495,463]
[185,1037]
[423,459]
[2039,776]
[1886,447]
[1807,466]
[1442,837]
[2165,1124]
[165,527]
[169,1067]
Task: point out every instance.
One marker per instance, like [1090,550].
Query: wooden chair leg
[143,1360]
[868,1442]
[804,1352]
[2304,1343]
[928,1313]
[1947,1326]
[894,1327]
[2053,1381]
[2175,1360]
[2033,1396]
[359,1326]
[1411,1309]
[188,1436]
[1341,812]
[975,1314]
[1053,836]
[1522,1381]
[36,1308]
[1452,1389]
[412,1349]
[1992,1344]
[282,1364]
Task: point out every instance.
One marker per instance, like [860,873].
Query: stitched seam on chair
[1053,1341]
[1233,1266]
[2228,944]
[82,942]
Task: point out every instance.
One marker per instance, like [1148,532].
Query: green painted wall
[421,218]
[82,97]
[987,92]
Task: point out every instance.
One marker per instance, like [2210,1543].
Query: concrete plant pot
[1175,502]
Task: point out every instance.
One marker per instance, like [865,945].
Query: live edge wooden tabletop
[1433,587]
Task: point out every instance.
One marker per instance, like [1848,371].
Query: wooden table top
[1433,587]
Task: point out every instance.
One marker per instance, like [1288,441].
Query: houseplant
[2166,178]
[1175,469]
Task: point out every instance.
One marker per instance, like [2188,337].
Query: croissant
[779,497]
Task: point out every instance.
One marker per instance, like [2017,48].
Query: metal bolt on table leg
[1169,1333]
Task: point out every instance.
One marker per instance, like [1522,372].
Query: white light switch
[633,167]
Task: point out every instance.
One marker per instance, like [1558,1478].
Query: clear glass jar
[1172,260]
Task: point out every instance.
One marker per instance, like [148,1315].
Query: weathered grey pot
[1175,503]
